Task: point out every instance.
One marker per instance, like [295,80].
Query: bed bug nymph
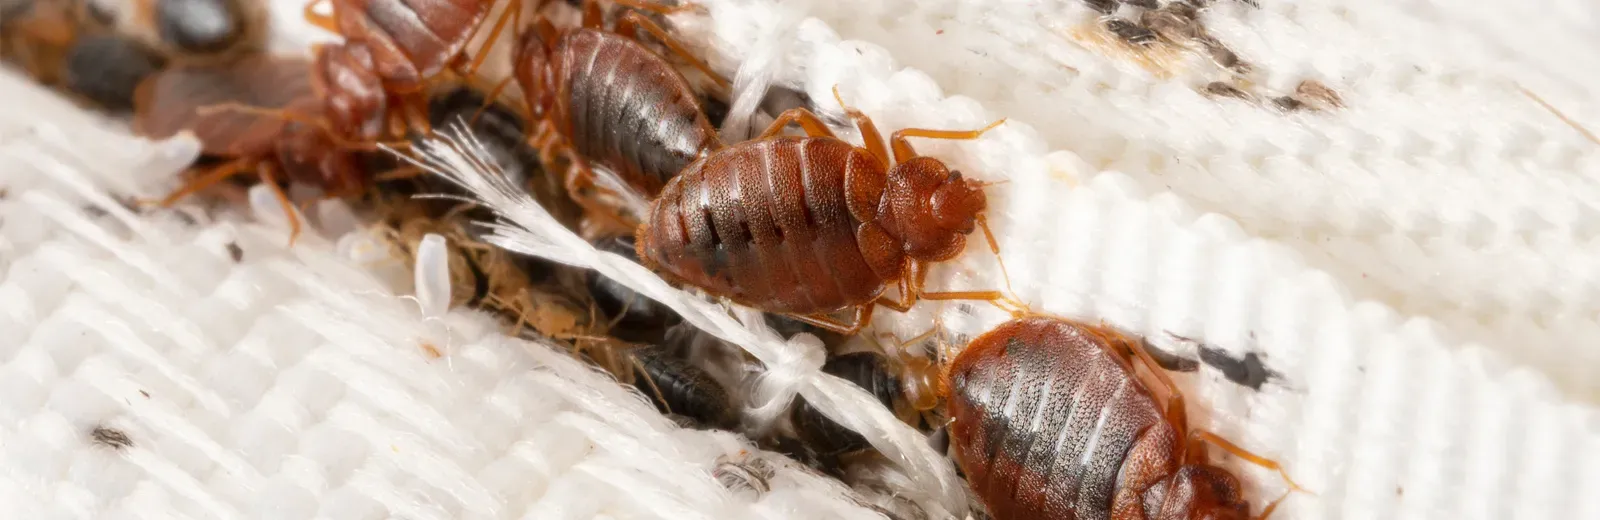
[603,97]
[810,226]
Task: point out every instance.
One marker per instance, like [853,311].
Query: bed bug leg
[632,22]
[903,150]
[808,121]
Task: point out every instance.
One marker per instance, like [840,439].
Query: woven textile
[1417,272]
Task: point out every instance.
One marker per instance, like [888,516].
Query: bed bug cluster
[1161,35]
[611,125]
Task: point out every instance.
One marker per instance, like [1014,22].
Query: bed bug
[405,43]
[498,128]
[204,28]
[37,35]
[872,372]
[298,147]
[605,98]
[810,226]
[107,69]
[679,388]
[1050,421]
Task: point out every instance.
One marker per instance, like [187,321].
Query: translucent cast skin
[809,226]
[1051,423]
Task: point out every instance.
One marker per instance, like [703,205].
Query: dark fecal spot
[1103,6]
[1247,371]
[1288,104]
[235,252]
[1130,32]
[110,437]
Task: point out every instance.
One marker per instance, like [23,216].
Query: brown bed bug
[37,35]
[1050,421]
[373,84]
[679,388]
[106,69]
[406,43]
[602,97]
[297,147]
[810,226]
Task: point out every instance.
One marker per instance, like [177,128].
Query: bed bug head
[943,207]
[1197,491]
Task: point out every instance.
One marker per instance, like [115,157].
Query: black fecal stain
[1247,371]
[235,252]
[110,437]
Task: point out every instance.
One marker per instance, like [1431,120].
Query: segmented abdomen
[411,43]
[630,110]
[765,224]
[1044,417]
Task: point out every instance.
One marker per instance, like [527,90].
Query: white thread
[527,228]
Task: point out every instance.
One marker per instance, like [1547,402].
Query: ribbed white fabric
[147,373]
[1419,269]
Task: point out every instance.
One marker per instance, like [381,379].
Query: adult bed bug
[1050,421]
[809,226]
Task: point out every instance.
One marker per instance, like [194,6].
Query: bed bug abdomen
[410,40]
[1047,420]
[769,224]
[616,83]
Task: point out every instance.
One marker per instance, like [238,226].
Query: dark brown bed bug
[37,35]
[602,97]
[872,372]
[106,69]
[810,226]
[679,388]
[498,127]
[1050,421]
